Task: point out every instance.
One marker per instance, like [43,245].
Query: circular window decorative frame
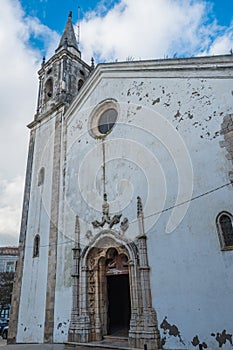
[97,113]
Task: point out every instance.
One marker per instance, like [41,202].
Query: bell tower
[62,76]
[60,79]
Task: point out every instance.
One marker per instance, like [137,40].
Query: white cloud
[10,209]
[18,93]
[223,44]
[148,29]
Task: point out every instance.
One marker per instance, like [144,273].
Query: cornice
[194,67]
[58,56]
[40,118]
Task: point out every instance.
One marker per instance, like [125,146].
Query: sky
[109,31]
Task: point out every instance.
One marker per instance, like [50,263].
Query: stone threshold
[109,342]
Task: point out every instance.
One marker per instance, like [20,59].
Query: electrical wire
[156,213]
[189,200]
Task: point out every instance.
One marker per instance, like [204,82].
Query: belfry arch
[111,262]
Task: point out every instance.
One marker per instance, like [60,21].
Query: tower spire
[56,89]
[68,40]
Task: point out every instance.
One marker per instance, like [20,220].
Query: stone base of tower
[75,336]
[81,331]
[139,339]
[144,330]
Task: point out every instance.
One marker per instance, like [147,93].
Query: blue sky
[110,30]
[53,14]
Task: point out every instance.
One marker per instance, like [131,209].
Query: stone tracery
[111,254]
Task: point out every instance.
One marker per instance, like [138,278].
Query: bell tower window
[80,84]
[48,89]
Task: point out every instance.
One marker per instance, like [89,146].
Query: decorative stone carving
[89,235]
[116,263]
[124,225]
[106,219]
[110,254]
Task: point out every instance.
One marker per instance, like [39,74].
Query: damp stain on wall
[222,338]
[196,342]
[171,330]
[227,143]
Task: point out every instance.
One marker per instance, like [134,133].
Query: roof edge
[164,68]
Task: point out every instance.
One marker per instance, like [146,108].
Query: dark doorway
[119,309]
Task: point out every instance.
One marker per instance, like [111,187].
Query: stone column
[98,328]
[84,328]
[135,298]
[149,334]
[72,336]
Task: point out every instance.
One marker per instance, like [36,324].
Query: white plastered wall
[34,283]
[190,276]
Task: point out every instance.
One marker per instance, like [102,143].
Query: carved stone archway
[89,313]
[117,287]
[102,262]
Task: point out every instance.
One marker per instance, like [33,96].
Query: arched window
[36,246]
[225,230]
[41,176]
[48,89]
[80,84]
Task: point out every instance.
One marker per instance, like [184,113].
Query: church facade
[127,216]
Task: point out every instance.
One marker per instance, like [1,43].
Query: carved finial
[89,235]
[115,220]
[106,219]
[124,225]
[92,63]
[70,14]
[139,207]
[105,206]
[77,231]
[140,216]
[43,61]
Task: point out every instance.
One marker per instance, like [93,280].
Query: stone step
[108,342]
[115,338]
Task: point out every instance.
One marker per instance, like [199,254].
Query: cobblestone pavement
[4,346]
